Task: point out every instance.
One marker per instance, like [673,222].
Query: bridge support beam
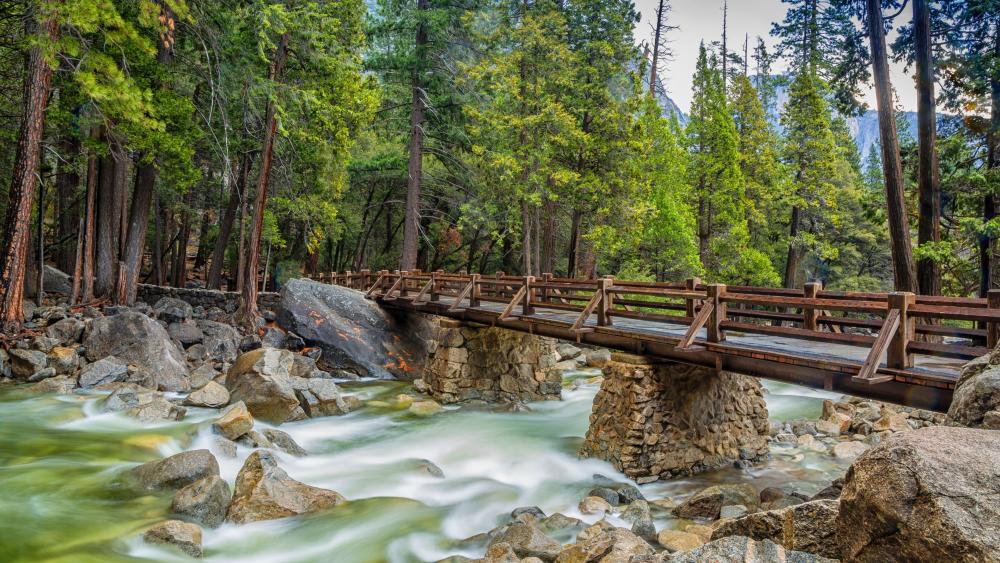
[481,363]
[656,420]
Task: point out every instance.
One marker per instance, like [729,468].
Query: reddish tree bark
[247,311]
[929,223]
[14,248]
[87,270]
[411,227]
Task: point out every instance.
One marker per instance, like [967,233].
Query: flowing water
[59,455]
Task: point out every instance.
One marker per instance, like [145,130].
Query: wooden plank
[699,322]
[800,302]
[461,296]
[800,333]
[375,286]
[868,369]
[387,296]
[587,311]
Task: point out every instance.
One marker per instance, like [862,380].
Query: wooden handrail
[697,324]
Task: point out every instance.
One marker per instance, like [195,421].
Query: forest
[239,143]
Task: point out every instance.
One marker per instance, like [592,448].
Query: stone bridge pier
[652,419]
[656,419]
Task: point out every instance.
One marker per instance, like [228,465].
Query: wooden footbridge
[897,347]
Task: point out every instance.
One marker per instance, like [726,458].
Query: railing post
[993,329]
[529,292]
[690,305]
[366,279]
[607,301]
[476,289]
[347,279]
[810,314]
[898,357]
[714,327]
[546,279]
[402,284]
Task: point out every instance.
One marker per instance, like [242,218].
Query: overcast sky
[702,19]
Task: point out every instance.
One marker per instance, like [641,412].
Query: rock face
[261,380]
[661,420]
[265,492]
[141,341]
[927,495]
[205,500]
[491,364]
[735,549]
[175,471]
[809,527]
[105,370]
[185,536]
[354,333]
[976,401]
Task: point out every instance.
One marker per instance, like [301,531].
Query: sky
[702,20]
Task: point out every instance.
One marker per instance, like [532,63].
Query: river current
[59,454]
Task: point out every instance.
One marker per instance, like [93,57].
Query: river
[58,455]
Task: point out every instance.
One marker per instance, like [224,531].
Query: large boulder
[976,401]
[141,341]
[25,363]
[261,380]
[616,545]
[103,371]
[354,333]
[175,471]
[926,495]
[265,492]
[736,549]
[172,310]
[54,281]
[809,527]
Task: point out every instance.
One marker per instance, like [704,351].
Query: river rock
[103,371]
[736,549]
[809,526]
[425,408]
[201,375]
[63,360]
[354,333]
[607,494]
[322,397]
[66,331]
[849,450]
[977,394]
[931,494]
[528,541]
[234,422]
[594,505]
[265,492]
[674,540]
[708,503]
[138,339]
[175,471]
[284,442]
[24,363]
[184,535]
[598,358]
[212,395]
[616,545]
[62,384]
[155,410]
[205,500]
[260,379]
[186,333]
[253,440]
[221,341]
[172,310]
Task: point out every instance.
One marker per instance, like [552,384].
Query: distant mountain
[864,129]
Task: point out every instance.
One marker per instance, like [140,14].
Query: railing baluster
[898,356]
[810,314]
[690,304]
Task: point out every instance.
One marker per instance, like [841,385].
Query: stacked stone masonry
[662,420]
[480,363]
[207,298]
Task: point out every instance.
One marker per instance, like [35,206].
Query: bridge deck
[895,347]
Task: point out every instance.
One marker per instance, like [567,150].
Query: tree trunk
[17,223]
[904,270]
[986,239]
[236,194]
[547,259]
[525,239]
[929,224]
[411,229]
[184,239]
[656,47]
[574,243]
[68,206]
[109,199]
[135,238]
[792,261]
[157,241]
[90,214]
[247,311]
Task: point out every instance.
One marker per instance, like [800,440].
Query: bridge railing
[893,325]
